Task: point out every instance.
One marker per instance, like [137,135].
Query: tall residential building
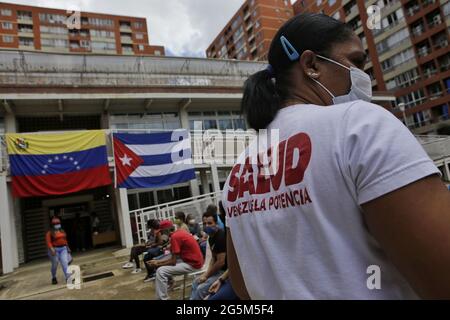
[43,29]
[248,34]
[409,54]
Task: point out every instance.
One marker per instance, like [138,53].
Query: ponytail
[260,102]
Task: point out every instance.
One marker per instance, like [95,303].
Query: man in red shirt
[185,257]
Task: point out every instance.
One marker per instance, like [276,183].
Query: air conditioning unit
[437,20]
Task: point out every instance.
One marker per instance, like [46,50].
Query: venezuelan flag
[57,163]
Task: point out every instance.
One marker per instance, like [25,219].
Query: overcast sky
[184,27]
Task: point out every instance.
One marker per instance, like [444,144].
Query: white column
[215,178]
[204,181]
[12,208]
[184,119]
[6,232]
[123,213]
[447,170]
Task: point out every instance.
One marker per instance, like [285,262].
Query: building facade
[53,30]
[248,34]
[409,53]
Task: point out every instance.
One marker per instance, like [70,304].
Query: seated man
[217,243]
[212,208]
[156,251]
[185,258]
[137,250]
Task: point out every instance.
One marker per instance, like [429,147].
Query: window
[141,47]
[6,12]
[57,43]
[398,59]
[392,19]
[7,25]
[157,53]
[52,18]
[54,30]
[138,25]
[139,36]
[393,40]
[101,22]
[102,33]
[8,39]
[85,44]
[24,15]
[28,42]
[403,80]
[236,22]
[446,9]
[99,45]
[331,2]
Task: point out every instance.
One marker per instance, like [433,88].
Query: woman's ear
[308,63]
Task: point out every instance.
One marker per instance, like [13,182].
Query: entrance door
[35,227]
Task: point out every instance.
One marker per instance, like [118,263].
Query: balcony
[417,31]
[411,11]
[430,72]
[352,13]
[435,21]
[423,51]
[127,40]
[24,20]
[125,28]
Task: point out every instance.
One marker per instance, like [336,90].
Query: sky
[184,27]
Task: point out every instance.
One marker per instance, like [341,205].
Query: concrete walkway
[33,280]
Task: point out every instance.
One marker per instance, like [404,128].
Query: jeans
[62,257]
[200,290]
[152,253]
[225,292]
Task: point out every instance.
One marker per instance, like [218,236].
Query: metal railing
[195,205]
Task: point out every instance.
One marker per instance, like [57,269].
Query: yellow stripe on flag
[54,143]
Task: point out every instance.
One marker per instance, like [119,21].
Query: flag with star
[149,160]
[57,163]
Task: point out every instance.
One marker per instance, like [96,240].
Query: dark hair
[212,208]
[306,31]
[222,212]
[153,224]
[208,214]
[180,215]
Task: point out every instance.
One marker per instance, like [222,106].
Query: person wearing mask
[353,191]
[58,249]
[194,227]
[185,257]
[213,209]
[153,236]
[180,221]
[217,265]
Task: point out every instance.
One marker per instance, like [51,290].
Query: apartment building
[248,34]
[49,30]
[409,53]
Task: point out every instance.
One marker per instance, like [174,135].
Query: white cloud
[184,27]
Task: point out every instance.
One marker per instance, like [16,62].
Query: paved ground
[32,280]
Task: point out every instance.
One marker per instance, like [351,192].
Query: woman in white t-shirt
[345,204]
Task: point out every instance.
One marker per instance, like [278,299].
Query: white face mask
[361,88]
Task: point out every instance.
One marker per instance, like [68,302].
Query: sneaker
[54,281]
[128,265]
[138,270]
[149,278]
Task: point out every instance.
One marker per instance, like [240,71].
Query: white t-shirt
[300,234]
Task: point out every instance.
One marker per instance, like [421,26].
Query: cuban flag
[151,160]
